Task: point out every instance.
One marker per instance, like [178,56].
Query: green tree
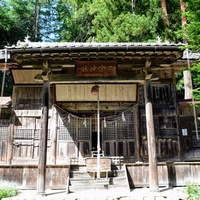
[119,21]
[39,19]
[10,32]
[193,25]
[192,35]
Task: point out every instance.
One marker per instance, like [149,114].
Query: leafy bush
[193,190]
[8,192]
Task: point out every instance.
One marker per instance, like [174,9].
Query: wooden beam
[108,106]
[63,78]
[41,176]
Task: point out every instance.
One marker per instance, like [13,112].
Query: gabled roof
[27,53]
[61,57]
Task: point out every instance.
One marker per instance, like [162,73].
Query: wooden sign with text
[96,68]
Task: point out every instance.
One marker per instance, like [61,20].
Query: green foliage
[9,30]
[111,21]
[8,192]
[193,190]
[195,75]
[193,26]
[39,19]
[88,20]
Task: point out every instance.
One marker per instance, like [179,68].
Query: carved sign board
[96,68]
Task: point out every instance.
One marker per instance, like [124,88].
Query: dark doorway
[94,141]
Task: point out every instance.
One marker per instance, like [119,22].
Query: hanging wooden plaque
[96,68]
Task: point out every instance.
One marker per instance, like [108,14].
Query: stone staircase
[81,180]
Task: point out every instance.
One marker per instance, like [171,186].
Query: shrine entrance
[94,141]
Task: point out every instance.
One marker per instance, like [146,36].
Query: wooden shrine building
[54,117]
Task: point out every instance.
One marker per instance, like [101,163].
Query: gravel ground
[136,194]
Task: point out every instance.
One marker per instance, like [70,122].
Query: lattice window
[37,134]
[24,134]
[144,126]
[84,129]
[3,133]
[109,131]
[125,129]
[130,125]
[168,133]
[67,132]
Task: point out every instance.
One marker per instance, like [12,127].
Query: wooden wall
[27,122]
[107,92]
[25,176]
[4,128]
[169,174]
[166,123]
[72,139]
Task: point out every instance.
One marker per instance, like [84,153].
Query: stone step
[81,180]
[79,174]
[81,168]
[90,187]
[104,187]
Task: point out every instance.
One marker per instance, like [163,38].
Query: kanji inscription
[96,68]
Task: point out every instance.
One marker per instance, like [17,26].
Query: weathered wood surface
[187,84]
[24,176]
[41,175]
[105,164]
[169,174]
[3,151]
[107,92]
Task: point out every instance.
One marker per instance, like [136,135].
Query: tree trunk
[37,14]
[183,16]
[165,15]
[133,6]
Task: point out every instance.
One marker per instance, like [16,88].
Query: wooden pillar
[54,127]
[153,171]
[41,176]
[137,134]
[10,139]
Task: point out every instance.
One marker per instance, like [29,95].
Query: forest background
[102,21]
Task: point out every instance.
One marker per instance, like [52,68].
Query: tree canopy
[87,20]
[101,21]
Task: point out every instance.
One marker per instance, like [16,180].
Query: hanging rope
[3,80]
[194,107]
[65,115]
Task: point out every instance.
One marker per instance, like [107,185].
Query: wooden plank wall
[4,127]
[108,92]
[169,174]
[24,177]
[166,123]
[27,125]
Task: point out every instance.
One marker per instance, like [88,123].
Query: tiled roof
[187,54]
[28,45]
